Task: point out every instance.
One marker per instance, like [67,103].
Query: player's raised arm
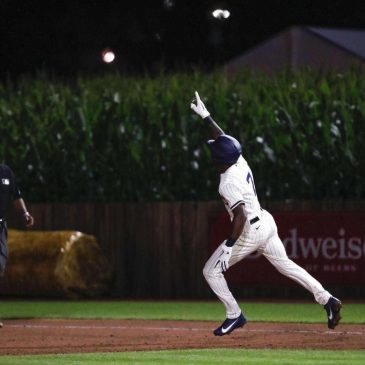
[200,109]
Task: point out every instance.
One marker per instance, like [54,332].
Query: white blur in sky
[221,13]
[108,56]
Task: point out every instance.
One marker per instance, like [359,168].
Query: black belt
[254,220]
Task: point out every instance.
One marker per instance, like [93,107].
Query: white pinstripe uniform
[259,234]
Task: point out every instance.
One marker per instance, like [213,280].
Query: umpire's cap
[225,149]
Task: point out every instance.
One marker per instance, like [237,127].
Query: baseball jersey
[237,187]
[8,189]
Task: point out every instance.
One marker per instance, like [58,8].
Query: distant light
[108,56]
[221,13]
[168,4]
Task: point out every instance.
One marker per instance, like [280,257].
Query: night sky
[67,37]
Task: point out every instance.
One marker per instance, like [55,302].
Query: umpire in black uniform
[9,193]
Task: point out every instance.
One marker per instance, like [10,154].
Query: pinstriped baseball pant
[263,237]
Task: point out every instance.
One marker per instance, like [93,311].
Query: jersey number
[249,179]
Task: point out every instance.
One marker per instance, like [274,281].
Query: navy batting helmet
[225,149]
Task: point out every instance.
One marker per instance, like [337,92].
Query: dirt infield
[60,336]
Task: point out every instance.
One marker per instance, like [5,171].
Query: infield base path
[71,336]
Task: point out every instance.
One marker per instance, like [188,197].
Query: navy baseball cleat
[229,325]
[333,308]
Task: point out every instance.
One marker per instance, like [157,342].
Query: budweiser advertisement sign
[329,245]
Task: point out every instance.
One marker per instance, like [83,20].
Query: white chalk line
[187,329]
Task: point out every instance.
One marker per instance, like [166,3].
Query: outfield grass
[202,311]
[197,357]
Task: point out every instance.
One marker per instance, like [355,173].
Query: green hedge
[117,138]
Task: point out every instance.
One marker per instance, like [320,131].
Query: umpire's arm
[20,207]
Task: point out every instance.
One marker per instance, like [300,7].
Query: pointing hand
[199,108]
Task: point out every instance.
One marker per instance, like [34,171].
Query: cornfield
[118,138]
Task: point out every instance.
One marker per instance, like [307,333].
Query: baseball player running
[253,229]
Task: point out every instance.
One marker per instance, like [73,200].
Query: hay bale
[55,264]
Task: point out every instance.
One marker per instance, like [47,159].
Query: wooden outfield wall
[158,249]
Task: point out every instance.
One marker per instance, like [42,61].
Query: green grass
[171,310]
[285,312]
[197,357]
